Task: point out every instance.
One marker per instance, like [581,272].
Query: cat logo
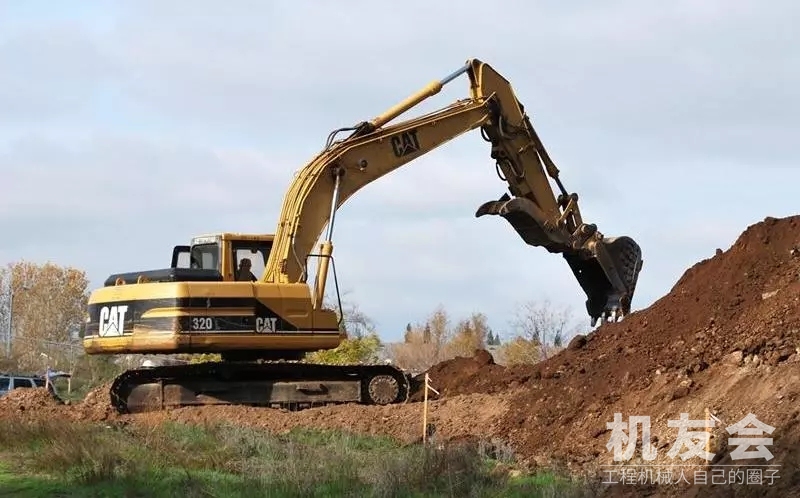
[405,143]
[266,324]
[111,321]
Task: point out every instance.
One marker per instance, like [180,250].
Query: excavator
[209,301]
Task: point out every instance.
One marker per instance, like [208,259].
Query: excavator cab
[224,253]
[203,253]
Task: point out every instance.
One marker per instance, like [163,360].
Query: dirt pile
[35,400]
[465,375]
[96,405]
[456,417]
[743,299]
[725,338]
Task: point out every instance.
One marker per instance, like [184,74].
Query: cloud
[131,128]
[120,175]
[48,73]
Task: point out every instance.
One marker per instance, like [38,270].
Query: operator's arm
[607,269]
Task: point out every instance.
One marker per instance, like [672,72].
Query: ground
[722,344]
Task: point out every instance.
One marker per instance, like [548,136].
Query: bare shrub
[539,330]
[435,340]
[450,470]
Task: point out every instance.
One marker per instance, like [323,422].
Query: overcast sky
[126,128]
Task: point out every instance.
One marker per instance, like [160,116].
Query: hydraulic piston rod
[430,90]
[326,248]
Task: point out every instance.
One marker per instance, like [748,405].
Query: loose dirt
[726,339]
[96,405]
[38,400]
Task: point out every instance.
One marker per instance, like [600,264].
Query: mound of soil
[726,337]
[96,405]
[738,309]
[743,299]
[465,375]
[29,400]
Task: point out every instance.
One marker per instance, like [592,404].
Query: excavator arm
[606,269]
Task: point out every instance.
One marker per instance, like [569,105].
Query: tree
[425,343]
[468,335]
[519,351]
[540,329]
[362,344]
[544,324]
[437,328]
[416,353]
[407,335]
[355,322]
[43,306]
[201,358]
[435,340]
[360,350]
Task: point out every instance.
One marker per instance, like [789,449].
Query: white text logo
[111,320]
[266,324]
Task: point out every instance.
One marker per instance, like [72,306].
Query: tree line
[536,331]
[43,312]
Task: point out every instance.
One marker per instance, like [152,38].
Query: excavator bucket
[608,275]
[607,269]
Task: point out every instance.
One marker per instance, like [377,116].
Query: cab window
[184,260]
[256,252]
[205,256]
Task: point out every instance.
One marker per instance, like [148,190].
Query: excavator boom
[606,269]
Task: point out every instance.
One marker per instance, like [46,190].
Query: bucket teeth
[612,315]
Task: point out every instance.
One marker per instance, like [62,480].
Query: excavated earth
[725,339]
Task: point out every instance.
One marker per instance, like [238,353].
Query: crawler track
[276,384]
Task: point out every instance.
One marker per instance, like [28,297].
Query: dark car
[17,381]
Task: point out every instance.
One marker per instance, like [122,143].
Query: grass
[41,458]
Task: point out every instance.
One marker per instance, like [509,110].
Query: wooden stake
[708,429]
[425,407]
[425,412]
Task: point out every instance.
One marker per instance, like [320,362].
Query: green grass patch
[51,458]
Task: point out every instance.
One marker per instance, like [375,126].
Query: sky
[128,127]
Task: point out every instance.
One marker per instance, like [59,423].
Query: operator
[244,274]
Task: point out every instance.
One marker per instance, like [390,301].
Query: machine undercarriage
[274,384]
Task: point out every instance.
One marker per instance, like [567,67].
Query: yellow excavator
[209,301]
